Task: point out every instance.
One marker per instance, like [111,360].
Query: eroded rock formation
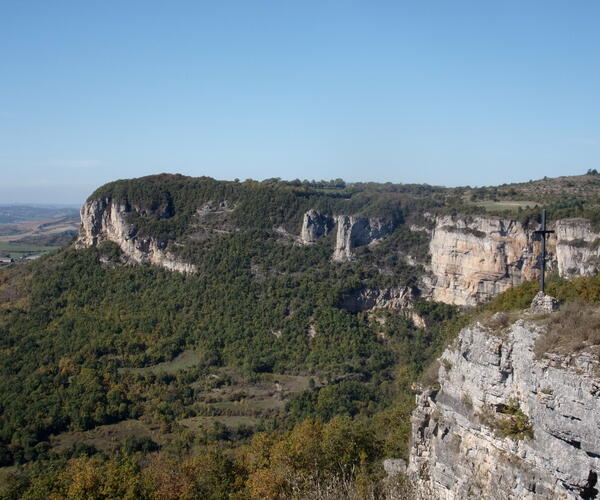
[106,220]
[577,247]
[314,226]
[503,424]
[476,258]
[472,258]
[351,231]
[395,298]
[355,231]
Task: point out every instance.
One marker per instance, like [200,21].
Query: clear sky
[443,92]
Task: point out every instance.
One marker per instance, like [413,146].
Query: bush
[573,328]
[144,444]
[508,420]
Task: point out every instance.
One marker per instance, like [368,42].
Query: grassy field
[186,359]
[233,422]
[106,437]
[17,251]
[244,404]
[509,206]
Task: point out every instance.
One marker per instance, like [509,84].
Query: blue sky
[441,92]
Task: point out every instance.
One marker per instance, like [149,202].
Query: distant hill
[27,231]
[26,213]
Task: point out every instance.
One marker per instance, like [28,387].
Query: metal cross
[543,232]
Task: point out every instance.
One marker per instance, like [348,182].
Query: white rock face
[577,248]
[314,226]
[455,454]
[105,220]
[474,259]
[354,231]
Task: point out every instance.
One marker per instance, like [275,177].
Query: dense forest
[247,379]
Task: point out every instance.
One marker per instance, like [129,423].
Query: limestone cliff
[351,231]
[399,299]
[503,424]
[106,220]
[475,258]
[354,231]
[472,258]
[395,298]
[314,226]
[577,249]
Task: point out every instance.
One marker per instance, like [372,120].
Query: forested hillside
[249,378]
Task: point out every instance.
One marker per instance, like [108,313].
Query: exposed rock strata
[397,298]
[354,231]
[457,454]
[577,247]
[314,226]
[351,231]
[106,220]
[474,259]
[400,299]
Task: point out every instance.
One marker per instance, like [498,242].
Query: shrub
[575,327]
[508,420]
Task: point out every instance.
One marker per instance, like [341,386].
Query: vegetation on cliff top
[166,205]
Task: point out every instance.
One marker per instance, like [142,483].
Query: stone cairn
[543,303]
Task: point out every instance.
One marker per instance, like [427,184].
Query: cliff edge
[506,423]
[106,220]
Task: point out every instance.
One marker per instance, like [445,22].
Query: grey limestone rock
[457,451]
[475,258]
[394,466]
[354,231]
[106,220]
[314,226]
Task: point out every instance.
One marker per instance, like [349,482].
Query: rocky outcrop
[351,231]
[399,299]
[503,424]
[354,231]
[473,259]
[106,220]
[314,226]
[395,298]
[577,248]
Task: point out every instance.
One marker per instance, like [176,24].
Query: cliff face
[474,259]
[577,249]
[400,299]
[396,298]
[351,231]
[106,220]
[314,226]
[504,424]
